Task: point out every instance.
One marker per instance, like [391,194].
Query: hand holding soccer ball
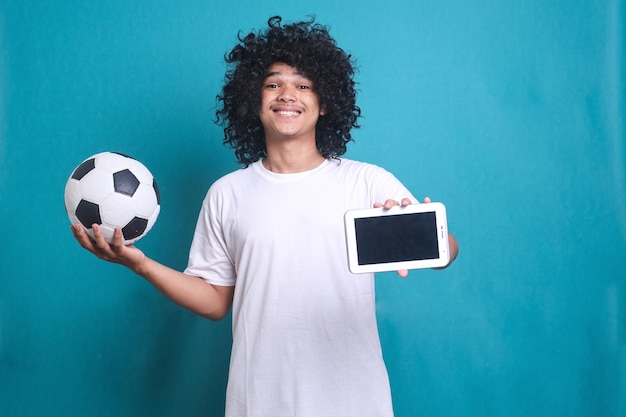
[113,190]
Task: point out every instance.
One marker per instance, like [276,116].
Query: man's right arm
[193,293]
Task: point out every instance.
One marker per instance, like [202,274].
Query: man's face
[289,104]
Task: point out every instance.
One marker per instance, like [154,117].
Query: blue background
[511,113]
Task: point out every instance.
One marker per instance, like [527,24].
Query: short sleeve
[209,256]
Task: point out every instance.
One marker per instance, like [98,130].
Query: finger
[426,199]
[99,236]
[81,236]
[103,248]
[390,203]
[118,238]
[406,202]
[403,273]
[377,205]
[75,231]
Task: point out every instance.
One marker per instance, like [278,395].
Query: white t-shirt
[305,338]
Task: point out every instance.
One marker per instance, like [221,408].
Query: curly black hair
[306,46]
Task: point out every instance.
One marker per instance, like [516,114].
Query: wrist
[140,266]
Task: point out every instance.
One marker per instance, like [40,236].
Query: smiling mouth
[287,113]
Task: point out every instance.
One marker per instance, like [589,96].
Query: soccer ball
[113,190]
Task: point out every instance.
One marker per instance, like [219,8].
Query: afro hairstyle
[306,46]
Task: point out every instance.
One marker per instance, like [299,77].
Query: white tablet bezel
[441,229]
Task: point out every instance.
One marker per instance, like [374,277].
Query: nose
[287,94]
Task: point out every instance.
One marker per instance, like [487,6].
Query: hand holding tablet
[409,237]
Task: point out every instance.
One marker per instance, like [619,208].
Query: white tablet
[409,237]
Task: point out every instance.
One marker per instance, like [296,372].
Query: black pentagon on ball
[125,182]
[83,169]
[156,191]
[123,154]
[88,213]
[134,228]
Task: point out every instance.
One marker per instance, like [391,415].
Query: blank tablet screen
[396,238]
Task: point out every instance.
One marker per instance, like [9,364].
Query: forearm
[193,293]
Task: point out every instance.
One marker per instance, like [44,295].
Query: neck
[291,164]
[290,155]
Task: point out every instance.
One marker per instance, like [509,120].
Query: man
[270,243]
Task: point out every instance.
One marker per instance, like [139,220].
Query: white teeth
[288,113]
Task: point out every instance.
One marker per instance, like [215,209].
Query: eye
[304,87]
[271,85]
